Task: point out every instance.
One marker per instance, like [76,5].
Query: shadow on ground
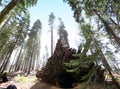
[41,85]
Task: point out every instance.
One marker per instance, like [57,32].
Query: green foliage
[29,3]
[63,35]
[51,19]
[105,11]
[85,60]
[35,29]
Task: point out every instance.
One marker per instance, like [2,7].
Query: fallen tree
[60,67]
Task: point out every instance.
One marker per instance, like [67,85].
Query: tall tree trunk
[117,25]
[14,60]
[3,63]
[8,57]
[109,30]
[33,61]
[7,10]
[11,50]
[22,61]
[5,23]
[24,67]
[104,60]
[17,65]
[31,58]
[106,64]
[52,40]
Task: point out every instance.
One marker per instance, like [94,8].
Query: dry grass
[25,79]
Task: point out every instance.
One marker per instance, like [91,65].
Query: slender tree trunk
[117,25]
[104,59]
[31,58]
[3,63]
[11,67]
[5,23]
[22,61]
[8,57]
[106,64]
[6,62]
[37,61]
[11,50]
[17,65]
[24,69]
[109,30]
[33,62]
[52,40]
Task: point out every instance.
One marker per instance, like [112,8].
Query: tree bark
[7,10]
[106,64]
[52,40]
[17,65]
[31,58]
[104,60]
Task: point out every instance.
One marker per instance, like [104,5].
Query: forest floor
[31,82]
[21,82]
[39,85]
[27,82]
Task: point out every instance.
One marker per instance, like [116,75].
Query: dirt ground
[20,85]
[41,85]
[27,84]
[31,82]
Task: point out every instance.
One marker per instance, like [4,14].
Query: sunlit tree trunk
[31,57]
[52,39]
[24,69]
[8,57]
[22,60]
[18,60]
[11,68]
[51,22]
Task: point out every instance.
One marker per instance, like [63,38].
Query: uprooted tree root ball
[56,73]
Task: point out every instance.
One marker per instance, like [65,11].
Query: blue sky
[60,9]
[45,7]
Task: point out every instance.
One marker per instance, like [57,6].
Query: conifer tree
[63,35]
[51,24]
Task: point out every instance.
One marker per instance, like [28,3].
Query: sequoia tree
[51,24]
[63,35]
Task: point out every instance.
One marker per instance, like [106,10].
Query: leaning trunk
[109,29]
[106,65]
[7,10]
